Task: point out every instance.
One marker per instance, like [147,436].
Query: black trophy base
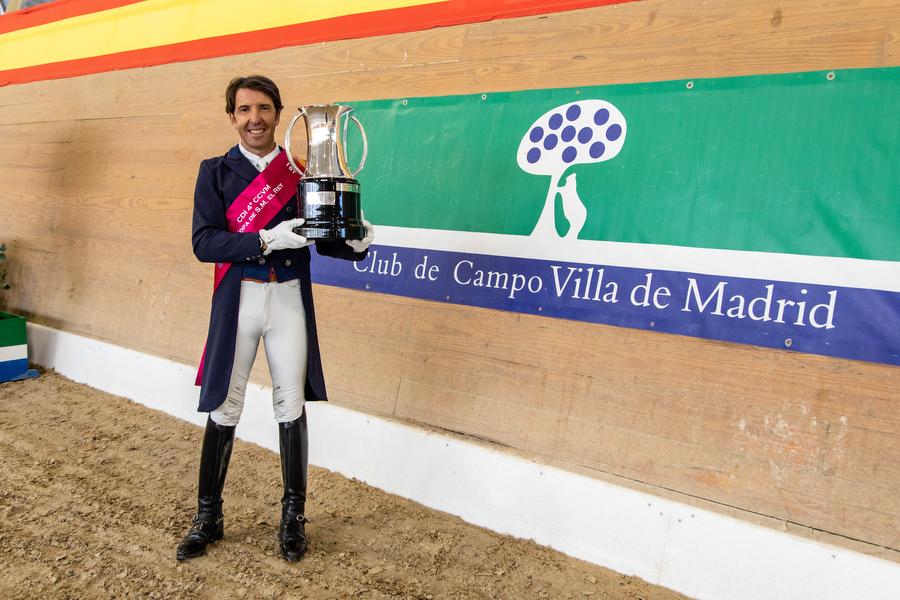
[331,209]
[350,232]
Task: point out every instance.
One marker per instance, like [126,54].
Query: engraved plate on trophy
[313,198]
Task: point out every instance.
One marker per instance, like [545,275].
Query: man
[244,216]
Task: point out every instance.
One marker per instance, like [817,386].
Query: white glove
[363,244]
[282,237]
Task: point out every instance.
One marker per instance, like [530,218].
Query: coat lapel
[236,161]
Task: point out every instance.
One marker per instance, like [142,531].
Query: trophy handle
[287,141]
[362,161]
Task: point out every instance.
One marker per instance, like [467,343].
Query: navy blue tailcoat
[220,181]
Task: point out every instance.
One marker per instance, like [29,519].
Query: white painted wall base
[694,551]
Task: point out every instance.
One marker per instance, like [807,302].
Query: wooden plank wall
[96,179]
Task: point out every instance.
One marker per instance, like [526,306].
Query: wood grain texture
[96,184]
[772,432]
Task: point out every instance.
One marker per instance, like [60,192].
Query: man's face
[254,119]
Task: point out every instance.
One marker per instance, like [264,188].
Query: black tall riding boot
[207,525]
[294,444]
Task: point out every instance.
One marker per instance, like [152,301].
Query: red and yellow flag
[75,37]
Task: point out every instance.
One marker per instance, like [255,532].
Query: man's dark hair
[252,82]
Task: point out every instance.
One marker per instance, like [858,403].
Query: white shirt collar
[260,162]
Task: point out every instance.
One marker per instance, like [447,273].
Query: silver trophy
[328,189]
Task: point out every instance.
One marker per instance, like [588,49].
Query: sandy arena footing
[96,491]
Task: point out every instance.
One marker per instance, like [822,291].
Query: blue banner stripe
[10,369]
[829,320]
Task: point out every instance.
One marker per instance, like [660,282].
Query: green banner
[801,163]
[762,210]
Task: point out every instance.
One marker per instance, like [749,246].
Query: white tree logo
[581,132]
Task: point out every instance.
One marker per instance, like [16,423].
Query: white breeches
[273,311]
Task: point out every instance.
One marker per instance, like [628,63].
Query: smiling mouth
[256,131]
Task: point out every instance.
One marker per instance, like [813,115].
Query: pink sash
[254,208]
